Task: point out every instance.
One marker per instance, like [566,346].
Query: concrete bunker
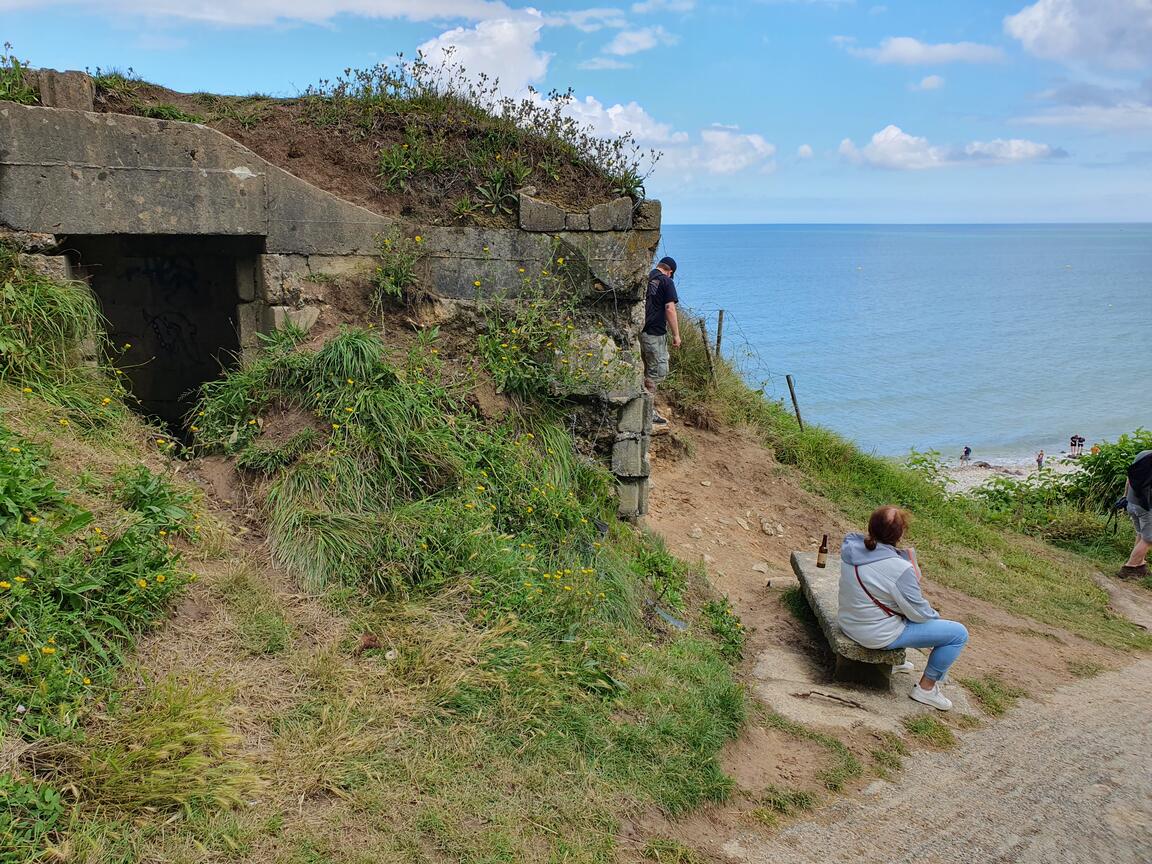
[171,304]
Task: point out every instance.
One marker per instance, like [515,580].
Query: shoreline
[965,478]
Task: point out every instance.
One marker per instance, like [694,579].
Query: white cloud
[663,6]
[599,63]
[1095,106]
[804,151]
[895,149]
[906,51]
[634,41]
[503,49]
[928,82]
[256,12]
[618,119]
[589,20]
[724,151]
[1116,33]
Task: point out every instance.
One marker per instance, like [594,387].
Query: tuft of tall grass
[166,748]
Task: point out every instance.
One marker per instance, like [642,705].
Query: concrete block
[27,241]
[628,495]
[248,321]
[50,266]
[246,279]
[633,416]
[537,215]
[577,222]
[647,215]
[281,280]
[642,497]
[276,317]
[73,91]
[628,457]
[614,216]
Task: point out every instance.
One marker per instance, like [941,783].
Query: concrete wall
[76,174]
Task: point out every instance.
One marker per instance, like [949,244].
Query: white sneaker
[906,666]
[931,697]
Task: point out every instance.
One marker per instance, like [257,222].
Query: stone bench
[854,662]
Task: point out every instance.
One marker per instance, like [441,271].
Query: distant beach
[965,478]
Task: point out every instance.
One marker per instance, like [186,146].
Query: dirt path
[1063,778]
[1063,781]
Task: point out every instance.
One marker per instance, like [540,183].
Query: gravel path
[1068,781]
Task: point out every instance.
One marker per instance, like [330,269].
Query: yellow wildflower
[142,583]
[33,519]
[161,578]
[14,449]
[349,410]
[23,659]
[335,425]
[87,681]
[351,380]
[63,421]
[5,585]
[105,401]
[48,649]
[418,239]
[477,283]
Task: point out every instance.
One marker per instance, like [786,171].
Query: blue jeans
[946,639]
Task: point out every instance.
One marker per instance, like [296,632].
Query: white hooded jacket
[890,578]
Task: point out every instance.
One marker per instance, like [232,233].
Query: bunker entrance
[171,305]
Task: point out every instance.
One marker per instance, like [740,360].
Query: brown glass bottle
[822,554]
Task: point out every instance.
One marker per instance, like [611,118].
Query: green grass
[994,695]
[14,85]
[262,622]
[664,850]
[1085,668]
[928,730]
[845,766]
[959,542]
[888,758]
[776,802]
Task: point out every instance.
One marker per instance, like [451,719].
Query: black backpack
[1140,479]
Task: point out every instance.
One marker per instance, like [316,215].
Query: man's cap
[670,263]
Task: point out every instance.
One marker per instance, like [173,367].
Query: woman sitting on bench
[882,606]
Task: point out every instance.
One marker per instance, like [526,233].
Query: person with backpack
[882,604]
[1138,493]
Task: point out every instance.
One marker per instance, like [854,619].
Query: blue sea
[1007,338]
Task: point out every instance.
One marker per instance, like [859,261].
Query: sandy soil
[965,478]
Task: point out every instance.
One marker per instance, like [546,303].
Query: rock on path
[1068,781]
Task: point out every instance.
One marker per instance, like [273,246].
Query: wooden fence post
[795,404]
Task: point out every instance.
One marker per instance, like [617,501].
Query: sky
[766,111]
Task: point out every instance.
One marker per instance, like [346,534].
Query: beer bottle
[822,555]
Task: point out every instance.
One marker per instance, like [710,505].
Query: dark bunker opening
[171,305]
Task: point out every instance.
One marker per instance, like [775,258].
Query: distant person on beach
[1072,445]
[1139,494]
[966,456]
[1040,461]
[659,317]
[882,604]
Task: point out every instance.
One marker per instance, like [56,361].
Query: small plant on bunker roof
[14,80]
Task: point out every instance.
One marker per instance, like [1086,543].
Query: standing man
[1139,495]
[659,317]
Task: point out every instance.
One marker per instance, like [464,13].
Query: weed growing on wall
[395,276]
[533,346]
[14,83]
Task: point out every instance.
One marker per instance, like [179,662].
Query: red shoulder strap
[888,612]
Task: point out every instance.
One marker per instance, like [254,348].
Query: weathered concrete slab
[72,90]
[76,172]
[822,588]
